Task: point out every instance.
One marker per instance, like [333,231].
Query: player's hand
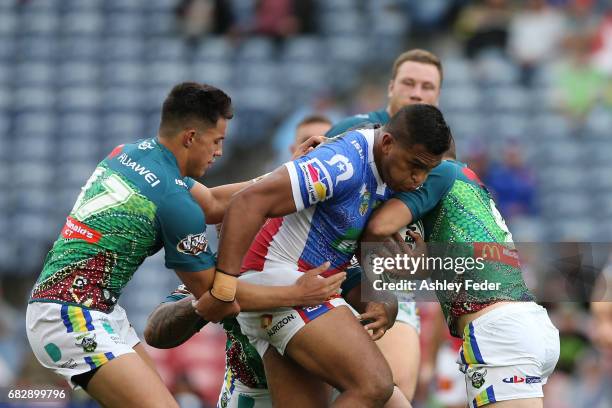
[380,318]
[307,146]
[215,310]
[312,289]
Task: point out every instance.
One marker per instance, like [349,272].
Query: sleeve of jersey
[327,171]
[183,232]
[189,182]
[436,186]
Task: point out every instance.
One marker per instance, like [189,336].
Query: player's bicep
[204,197]
[182,231]
[273,193]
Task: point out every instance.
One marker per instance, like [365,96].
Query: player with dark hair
[322,202]
[139,199]
[502,365]
[416,77]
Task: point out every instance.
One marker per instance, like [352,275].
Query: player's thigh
[142,352]
[127,381]
[337,349]
[519,403]
[400,346]
[291,385]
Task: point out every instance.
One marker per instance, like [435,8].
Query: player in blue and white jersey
[416,77]
[322,202]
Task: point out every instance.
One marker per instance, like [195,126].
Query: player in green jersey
[140,198]
[416,77]
[502,365]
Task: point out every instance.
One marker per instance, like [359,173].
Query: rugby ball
[415,227]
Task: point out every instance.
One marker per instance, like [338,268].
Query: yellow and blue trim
[485,397]
[470,353]
[76,319]
[98,360]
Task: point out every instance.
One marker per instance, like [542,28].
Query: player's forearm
[171,324]
[241,224]
[386,221]
[222,196]
[258,297]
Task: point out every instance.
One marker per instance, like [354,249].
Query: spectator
[578,84]
[284,18]
[197,18]
[484,25]
[534,37]
[512,183]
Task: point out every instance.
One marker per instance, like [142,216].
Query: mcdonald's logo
[494,252]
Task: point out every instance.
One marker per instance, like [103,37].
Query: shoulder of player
[148,168]
[447,169]
[352,122]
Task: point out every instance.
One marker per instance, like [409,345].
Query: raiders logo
[193,244]
[88,343]
[477,376]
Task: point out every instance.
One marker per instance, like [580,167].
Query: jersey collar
[369,137]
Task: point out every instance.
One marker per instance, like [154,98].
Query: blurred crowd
[553,56]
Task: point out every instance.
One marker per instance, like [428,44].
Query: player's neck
[172,144]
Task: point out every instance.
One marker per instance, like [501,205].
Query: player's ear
[387,142]
[390,88]
[188,135]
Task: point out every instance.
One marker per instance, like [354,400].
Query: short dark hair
[190,101]
[417,55]
[420,124]
[316,118]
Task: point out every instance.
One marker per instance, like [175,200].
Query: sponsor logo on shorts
[266,321]
[53,351]
[317,180]
[107,327]
[88,342]
[70,364]
[527,380]
[312,312]
[477,376]
[282,323]
[193,244]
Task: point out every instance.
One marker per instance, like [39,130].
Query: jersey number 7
[116,192]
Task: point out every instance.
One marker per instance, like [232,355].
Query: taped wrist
[224,286]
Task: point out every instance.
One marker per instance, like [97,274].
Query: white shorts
[71,340]
[408,313]
[508,353]
[277,326]
[235,394]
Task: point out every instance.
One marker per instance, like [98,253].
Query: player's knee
[378,388]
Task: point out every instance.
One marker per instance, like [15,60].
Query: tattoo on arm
[173,323]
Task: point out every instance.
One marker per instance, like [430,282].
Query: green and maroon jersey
[459,214]
[135,203]
[241,358]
